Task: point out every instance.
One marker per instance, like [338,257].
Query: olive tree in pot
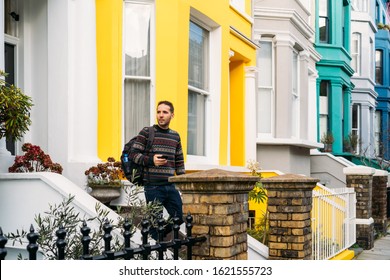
[327,139]
[15,119]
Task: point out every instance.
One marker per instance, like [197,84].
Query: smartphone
[163,156]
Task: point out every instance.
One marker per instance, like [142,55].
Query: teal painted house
[334,85]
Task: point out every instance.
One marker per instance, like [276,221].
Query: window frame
[271,89]
[212,109]
[150,78]
[379,68]
[295,118]
[356,130]
[326,19]
[324,107]
[356,56]
[203,92]
[378,149]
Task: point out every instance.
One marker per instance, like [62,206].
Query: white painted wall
[364,91]
[56,66]
[291,30]
[329,169]
[24,195]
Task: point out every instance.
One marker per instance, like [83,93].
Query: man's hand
[159,160]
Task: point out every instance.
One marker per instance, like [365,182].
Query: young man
[165,159]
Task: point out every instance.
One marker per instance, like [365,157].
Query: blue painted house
[382,78]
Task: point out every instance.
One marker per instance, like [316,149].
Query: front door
[9,61]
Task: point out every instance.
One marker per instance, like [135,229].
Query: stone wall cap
[379,172]
[214,175]
[290,178]
[358,170]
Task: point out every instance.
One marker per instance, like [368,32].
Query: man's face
[164,116]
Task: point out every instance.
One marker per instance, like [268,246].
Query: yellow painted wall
[237,114]
[109,65]
[171,70]
[172,31]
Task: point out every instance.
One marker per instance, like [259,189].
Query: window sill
[290,142]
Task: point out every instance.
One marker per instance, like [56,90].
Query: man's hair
[168,103]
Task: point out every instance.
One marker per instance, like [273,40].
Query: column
[218,201]
[360,178]
[379,200]
[72,88]
[250,112]
[347,112]
[336,101]
[289,206]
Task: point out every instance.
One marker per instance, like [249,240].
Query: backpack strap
[148,147]
[150,139]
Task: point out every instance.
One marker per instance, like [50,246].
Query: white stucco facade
[363,96]
[294,103]
[55,63]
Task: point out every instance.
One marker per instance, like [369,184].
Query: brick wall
[360,178]
[289,206]
[379,200]
[218,203]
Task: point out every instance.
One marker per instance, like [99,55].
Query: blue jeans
[170,198]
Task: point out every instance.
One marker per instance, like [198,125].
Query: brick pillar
[218,201]
[289,206]
[379,200]
[360,178]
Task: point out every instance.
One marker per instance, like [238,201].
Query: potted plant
[34,160]
[354,141]
[104,180]
[15,109]
[14,118]
[327,139]
[380,25]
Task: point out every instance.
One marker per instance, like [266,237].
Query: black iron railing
[129,251]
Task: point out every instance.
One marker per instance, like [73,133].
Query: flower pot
[328,148]
[105,193]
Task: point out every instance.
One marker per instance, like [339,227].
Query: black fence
[143,251]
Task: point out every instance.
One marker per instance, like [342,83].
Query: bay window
[265,92]
[323,21]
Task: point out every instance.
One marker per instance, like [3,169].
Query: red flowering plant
[34,160]
[107,173]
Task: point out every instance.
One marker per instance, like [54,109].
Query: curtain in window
[355,52]
[196,124]
[136,108]
[137,67]
[265,92]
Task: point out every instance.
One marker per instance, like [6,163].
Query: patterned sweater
[166,142]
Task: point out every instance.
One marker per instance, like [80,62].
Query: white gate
[333,221]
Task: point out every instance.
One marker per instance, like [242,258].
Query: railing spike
[3,241]
[61,242]
[32,247]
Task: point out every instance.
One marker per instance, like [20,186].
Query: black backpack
[132,170]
